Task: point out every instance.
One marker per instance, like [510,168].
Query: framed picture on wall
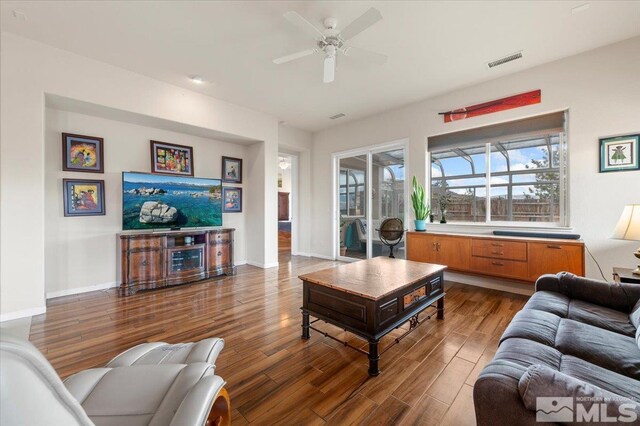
[83,197]
[82,153]
[231,200]
[619,153]
[232,170]
[171,159]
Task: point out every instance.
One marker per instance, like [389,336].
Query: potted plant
[420,207]
[444,202]
[343,247]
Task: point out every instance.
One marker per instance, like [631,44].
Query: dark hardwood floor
[272,375]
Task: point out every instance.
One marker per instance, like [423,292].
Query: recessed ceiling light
[196,79]
[580,8]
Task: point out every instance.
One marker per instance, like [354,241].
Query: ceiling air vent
[333,117]
[504,60]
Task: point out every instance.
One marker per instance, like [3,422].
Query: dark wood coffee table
[370,298]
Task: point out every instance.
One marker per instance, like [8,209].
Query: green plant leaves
[420,208]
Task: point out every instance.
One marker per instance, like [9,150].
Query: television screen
[157,201]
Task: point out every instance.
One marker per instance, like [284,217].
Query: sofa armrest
[619,296]
[496,398]
[207,400]
[549,282]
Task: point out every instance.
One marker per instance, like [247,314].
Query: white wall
[80,252]
[28,71]
[601,88]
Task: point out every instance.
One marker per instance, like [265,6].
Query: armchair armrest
[618,296]
[207,400]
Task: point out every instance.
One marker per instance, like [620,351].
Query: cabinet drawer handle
[144,262]
[497,245]
[500,253]
[497,263]
[553,246]
[219,253]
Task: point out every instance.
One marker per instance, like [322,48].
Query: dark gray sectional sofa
[586,329]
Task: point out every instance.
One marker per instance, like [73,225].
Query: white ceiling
[433,47]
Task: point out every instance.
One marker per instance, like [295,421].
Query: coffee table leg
[440,308]
[305,325]
[374,357]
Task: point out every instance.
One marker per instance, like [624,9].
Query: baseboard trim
[24,313]
[318,255]
[263,265]
[240,263]
[79,290]
[492,283]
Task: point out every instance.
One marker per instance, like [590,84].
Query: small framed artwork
[232,199]
[232,170]
[83,197]
[171,159]
[619,153]
[82,153]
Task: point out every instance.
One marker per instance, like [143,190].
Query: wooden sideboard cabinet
[517,258]
[159,259]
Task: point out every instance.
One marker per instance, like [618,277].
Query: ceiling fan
[332,41]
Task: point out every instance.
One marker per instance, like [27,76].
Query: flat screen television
[152,201]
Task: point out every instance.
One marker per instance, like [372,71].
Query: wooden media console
[159,259]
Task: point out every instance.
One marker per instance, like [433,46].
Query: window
[352,193]
[511,178]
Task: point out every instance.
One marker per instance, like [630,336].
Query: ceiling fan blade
[294,56]
[304,25]
[329,69]
[366,55]
[369,18]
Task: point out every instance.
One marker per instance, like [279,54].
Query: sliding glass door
[371,187]
[353,206]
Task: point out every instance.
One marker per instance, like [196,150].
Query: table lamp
[628,228]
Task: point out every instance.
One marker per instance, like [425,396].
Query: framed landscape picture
[231,170]
[171,159]
[619,153]
[82,153]
[83,197]
[231,200]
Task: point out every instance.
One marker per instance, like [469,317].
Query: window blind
[512,130]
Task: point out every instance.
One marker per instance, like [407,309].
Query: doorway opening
[286,188]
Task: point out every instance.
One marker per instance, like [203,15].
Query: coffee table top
[373,278]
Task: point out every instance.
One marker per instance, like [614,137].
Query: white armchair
[164,394]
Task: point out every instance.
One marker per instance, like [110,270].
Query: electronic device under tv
[152,201]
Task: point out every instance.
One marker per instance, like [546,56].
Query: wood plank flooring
[273,376]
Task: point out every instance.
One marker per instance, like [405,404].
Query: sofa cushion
[607,349]
[535,325]
[634,317]
[601,377]
[548,301]
[601,317]
[526,353]
[540,381]
[589,313]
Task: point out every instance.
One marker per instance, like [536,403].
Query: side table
[624,275]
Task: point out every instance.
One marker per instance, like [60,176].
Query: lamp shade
[628,227]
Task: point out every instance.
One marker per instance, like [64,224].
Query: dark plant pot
[443,220]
